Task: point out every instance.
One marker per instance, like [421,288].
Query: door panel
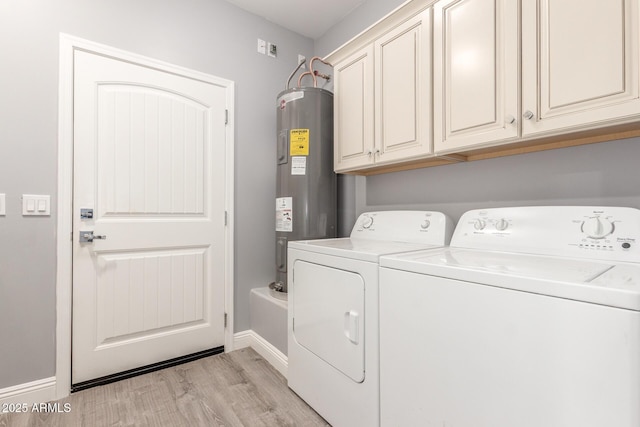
[475,72]
[328,316]
[579,63]
[152,151]
[139,294]
[565,74]
[403,93]
[149,159]
[353,110]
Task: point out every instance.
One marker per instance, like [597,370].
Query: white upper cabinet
[353,110]
[475,73]
[579,64]
[403,91]
[382,98]
[451,80]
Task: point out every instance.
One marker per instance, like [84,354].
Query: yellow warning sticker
[299,142]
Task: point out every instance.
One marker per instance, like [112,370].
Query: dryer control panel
[428,227]
[608,233]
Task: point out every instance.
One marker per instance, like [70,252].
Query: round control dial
[502,224]
[479,224]
[425,224]
[597,228]
[367,221]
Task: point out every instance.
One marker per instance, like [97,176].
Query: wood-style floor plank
[233,389]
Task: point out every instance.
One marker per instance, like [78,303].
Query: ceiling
[307,17]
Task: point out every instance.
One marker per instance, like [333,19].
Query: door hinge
[226,117]
[225,320]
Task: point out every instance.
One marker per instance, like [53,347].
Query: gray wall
[604,174]
[600,174]
[211,36]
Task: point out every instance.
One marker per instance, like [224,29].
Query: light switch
[36,205]
[3,206]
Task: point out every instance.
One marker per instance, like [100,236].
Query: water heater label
[284,214]
[299,165]
[299,142]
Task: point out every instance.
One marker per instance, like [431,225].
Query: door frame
[64,246]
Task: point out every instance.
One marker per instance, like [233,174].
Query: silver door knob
[528,115]
[510,119]
[89,237]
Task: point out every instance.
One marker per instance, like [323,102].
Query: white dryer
[333,311]
[530,318]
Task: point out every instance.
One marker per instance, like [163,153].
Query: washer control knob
[367,221]
[597,228]
[502,224]
[425,224]
[479,224]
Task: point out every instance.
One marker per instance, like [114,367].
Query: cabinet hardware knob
[528,115]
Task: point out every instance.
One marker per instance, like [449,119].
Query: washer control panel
[611,233]
[428,227]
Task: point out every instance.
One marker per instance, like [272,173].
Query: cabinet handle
[369,153]
[528,115]
[378,152]
[510,119]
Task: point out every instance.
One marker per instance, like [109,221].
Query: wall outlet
[262,46]
[273,50]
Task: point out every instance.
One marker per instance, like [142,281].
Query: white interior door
[149,160]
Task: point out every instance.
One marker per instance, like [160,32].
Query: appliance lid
[358,249]
[537,267]
[616,285]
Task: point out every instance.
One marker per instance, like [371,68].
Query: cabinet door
[353,111]
[580,64]
[403,91]
[475,73]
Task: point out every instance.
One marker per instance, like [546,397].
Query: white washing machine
[333,311]
[531,318]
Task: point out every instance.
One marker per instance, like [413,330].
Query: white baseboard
[264,348]
[39,391]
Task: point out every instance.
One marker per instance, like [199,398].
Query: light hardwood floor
[234,389]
